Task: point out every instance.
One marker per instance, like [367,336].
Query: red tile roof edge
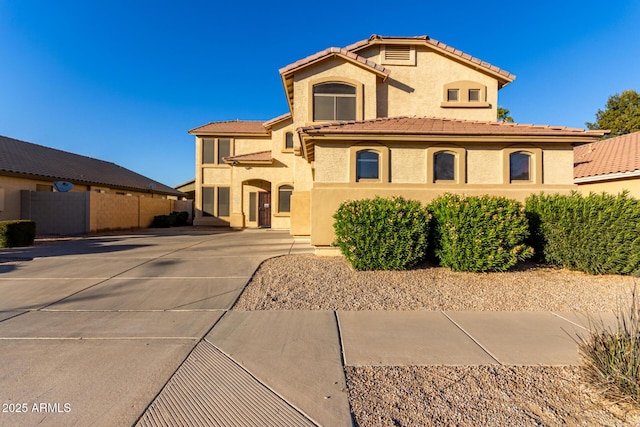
[553,130]
[618,156]
[331,52]
[449,49]
[252,122]
[278,119]
[260,156]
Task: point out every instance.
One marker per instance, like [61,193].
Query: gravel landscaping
[308,282]
[452,395]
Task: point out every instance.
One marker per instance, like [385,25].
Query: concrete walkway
[136,329]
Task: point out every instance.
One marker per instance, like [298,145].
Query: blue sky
[124,81]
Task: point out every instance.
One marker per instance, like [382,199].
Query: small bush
[597,234]
[180,218]
[382,234]
[484,233]
[163,221]
[612,356]
[17,233]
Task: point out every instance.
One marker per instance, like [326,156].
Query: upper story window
[367,165]
[288,141]
[444,166]
[215,150]
[520,166]
[465,93]
[334,101]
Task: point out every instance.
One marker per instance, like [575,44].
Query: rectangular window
[284,198]
[223,201]
[288,142]
[207,150]
[207,201]
[474,95]
[452,94]
[224,150]
[253,206]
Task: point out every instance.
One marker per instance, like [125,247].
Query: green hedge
[382,234]
[597,234]
[484,233]
[17,233]
[175,219]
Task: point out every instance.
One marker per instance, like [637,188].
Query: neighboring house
[385,116]
[188,188]
[611,165]
[32,167]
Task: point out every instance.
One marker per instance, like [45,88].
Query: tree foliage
[504,115]
[621,114]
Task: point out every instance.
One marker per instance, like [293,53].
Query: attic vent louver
[397,53]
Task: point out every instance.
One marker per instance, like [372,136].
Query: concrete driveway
[92,329]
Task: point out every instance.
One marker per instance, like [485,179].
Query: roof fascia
[607,177]
[504,80]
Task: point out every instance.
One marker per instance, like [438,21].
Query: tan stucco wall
[613,187]
[418,90]
[562,160]
[408,164]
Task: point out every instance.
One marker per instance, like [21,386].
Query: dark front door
[264,209]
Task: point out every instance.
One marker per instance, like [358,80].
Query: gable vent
[397,53]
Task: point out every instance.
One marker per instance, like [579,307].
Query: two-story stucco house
[385,116]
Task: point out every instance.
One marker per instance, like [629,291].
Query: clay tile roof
[24,158]
[333,51]
[270,123]
[441,126]
[617,155]
[426,39]
[261,156]
[232,127]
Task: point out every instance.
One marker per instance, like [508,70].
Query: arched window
[334,101]
[367,165]
[520,166]
[444,166]
[284,198]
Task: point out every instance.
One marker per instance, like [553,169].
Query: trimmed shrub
[163,221]
[17,233]
[597,234]
[382,234]
[181,218]
[484,233]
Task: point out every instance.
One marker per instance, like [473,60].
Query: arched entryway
[256,204]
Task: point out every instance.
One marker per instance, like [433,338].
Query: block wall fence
[89,212]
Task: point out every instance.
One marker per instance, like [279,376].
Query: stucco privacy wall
[85,212]
[326,198]
[612,187]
